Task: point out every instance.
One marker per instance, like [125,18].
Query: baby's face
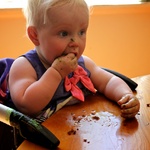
[65,23]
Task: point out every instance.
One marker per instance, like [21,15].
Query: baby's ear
[33,35]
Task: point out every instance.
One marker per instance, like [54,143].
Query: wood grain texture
[96,124]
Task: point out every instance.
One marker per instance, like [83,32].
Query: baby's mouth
[74,53]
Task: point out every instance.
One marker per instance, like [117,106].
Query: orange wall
[118,37]
[13,35]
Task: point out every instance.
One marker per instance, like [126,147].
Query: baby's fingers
[130,112]
[71,55]
[124,99]
[130,103]
[130,109]
[132,115]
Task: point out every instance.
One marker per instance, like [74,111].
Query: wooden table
[96,124]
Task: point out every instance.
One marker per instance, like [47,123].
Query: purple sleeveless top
[61,94]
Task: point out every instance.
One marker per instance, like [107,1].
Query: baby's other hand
[65,64]
[129,106]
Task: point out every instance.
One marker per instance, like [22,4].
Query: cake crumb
[148,105]
[72,132]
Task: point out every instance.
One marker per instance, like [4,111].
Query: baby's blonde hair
[35,11]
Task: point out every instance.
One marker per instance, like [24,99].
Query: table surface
[96,124]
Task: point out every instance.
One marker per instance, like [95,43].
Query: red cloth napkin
[71,83]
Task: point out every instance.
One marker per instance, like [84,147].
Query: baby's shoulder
[21,64]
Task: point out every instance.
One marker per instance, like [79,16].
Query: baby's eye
[63,33]
[82,32]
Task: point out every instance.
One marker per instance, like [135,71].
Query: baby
[56,73]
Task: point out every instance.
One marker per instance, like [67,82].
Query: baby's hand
[65,64]
[129,106]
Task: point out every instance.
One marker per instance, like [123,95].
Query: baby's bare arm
[114,88]
[29,94]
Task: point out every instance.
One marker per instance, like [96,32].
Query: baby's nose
[73,42]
